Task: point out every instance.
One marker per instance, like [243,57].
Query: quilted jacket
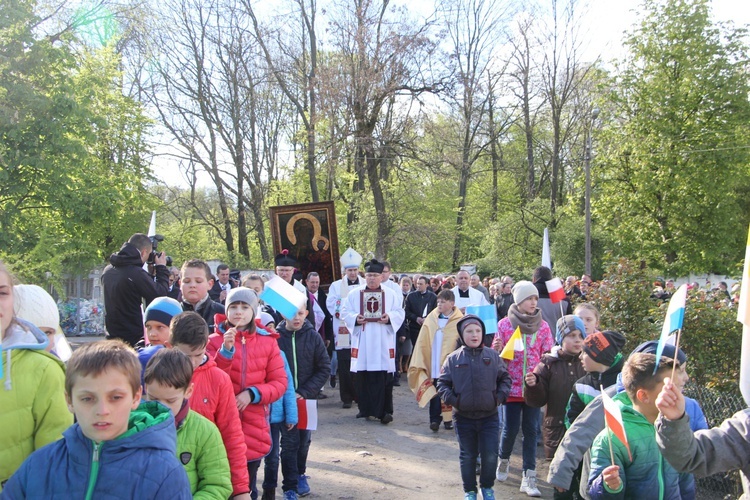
[253,365]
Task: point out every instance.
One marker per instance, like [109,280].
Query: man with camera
[126,285]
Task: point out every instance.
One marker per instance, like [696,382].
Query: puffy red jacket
[213,397]
[256,363]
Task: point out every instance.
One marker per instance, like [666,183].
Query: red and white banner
[555,290]
[307,414]
[613,419]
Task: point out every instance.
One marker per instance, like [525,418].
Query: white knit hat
[523,290]
[36,306]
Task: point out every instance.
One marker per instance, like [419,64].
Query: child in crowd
[553,378]
[437,338]
[33,412]
[638,471]
[473,380]
[602,360]
[283,419]
[589,314]
[250,355]
[199,445]
[267,315]
[195,283]
[213,395]
[158,315]
[536,339]
[117,448]
[310,367]
[36,306]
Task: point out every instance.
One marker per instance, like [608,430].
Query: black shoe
[448,425]
[321,395]
[333,380]
[387,419]
[361,415]
[346,405]
[396,382]
[434,426]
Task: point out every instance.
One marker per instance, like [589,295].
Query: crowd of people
[191,396]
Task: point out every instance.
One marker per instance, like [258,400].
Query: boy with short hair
[213,396]
[310,368]
[195,284]
[640,471]
[474,381]
[199,445]
[117,448]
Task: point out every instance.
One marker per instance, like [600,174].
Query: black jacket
[215,291]
[502,304]
[474,381]
[551,312]
[126,286]
[310,364]
[207,310]
[418,305]
[328,322]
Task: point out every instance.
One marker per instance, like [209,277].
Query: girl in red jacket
[250,355]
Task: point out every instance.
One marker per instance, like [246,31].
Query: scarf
[529,323]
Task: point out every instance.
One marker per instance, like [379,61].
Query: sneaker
[434,426]
[470,495]
[448,425]
[503,468]
[528,484]
[488,494]
[292,495]
[303,489]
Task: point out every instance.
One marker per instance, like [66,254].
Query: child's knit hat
[568,324]
[469,319]
[162,309]
[604,347]
[243,294]
[35,305]
[523,290]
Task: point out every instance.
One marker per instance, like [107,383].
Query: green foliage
[71,151]
[622,298]
[568,247]
[711,336]
[674,153]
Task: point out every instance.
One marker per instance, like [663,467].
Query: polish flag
[307,414]
[613,419]
[555,290]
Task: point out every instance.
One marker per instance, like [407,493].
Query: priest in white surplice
[337,294]
[465,294]
[374,345]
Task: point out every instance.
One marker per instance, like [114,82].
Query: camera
[155,240]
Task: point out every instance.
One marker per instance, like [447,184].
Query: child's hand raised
[611,477]
[229,339]
[670,401]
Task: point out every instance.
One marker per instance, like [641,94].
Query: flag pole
[609,432]
[676,350]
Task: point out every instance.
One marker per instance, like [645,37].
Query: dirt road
[353,458]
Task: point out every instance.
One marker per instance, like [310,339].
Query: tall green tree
[675,156]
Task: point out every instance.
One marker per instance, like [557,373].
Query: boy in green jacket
[199,445]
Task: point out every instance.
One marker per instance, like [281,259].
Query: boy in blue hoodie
[474,381]
[117,448]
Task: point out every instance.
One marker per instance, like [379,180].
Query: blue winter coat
[141,464]
[284,410]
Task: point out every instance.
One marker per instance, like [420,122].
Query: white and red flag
[307,414]
[555,290]
[615,425]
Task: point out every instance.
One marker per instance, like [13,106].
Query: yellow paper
[509,351]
